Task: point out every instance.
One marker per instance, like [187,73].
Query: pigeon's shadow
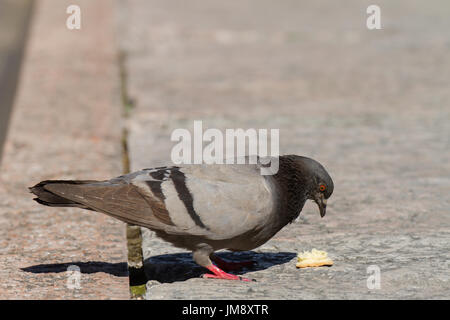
[115,269]
[175,267]
[168,268]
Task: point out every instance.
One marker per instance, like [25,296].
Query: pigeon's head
[316,180]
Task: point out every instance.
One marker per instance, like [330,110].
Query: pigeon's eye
[322,187]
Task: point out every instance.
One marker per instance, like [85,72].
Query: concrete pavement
[14,21]
[372,106]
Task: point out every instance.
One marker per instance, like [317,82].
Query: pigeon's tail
[49,198]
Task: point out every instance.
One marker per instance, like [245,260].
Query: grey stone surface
[372,106]
[412,266]
[14,18]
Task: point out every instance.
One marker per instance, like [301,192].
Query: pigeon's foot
[231,266]
[220,274]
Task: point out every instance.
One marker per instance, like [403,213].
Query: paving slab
[372,106]
[66,124]
[14,20]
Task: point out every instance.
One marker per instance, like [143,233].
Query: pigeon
[202,207]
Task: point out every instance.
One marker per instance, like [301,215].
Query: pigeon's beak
[322,203]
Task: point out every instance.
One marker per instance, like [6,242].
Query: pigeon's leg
[229,265]
[201,256]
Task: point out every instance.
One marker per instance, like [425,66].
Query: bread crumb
[313,258]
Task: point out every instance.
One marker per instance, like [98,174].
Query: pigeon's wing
[119,198]
[215,201]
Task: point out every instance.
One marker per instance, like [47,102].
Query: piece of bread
[315,258]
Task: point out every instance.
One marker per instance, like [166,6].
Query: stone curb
[66,125]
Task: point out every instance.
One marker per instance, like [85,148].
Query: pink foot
[220,274]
